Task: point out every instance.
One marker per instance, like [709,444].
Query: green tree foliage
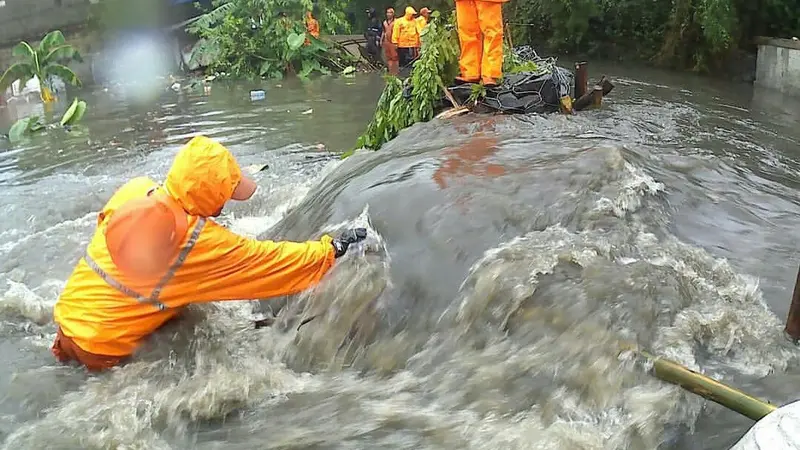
[400,105]
[49,59]
[697,34]
[267,38]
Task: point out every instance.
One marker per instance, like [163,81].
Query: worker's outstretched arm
[226,266]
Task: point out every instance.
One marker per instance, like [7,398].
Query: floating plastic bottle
[258,95]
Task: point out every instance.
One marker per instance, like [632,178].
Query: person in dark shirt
[373,35]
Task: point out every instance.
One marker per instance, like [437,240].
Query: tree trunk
[46,94]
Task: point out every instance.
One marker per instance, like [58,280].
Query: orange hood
[203,177]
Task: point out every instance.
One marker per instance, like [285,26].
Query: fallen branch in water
[449,95]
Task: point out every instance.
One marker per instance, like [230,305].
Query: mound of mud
[501,222]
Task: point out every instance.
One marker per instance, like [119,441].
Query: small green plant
[400,105]
[513,64]
[477,93]
[48,60]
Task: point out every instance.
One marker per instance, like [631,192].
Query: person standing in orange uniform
[405,36]
[156,250]
[389,49]
[312,26]
[480,32]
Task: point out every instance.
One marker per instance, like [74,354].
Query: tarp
[522,93]
[779,430]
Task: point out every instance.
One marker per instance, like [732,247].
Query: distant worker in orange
[480,32]
[312,26]
[424,17]
[405,36]
[156,250]
[389,49]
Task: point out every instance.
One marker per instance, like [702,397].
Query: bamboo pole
[507,33]
[674,373]
[708,388]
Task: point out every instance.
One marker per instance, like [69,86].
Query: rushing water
[509,258]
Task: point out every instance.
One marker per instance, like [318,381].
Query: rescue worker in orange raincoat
[312,26]
[480,33]
[156,250]
[405,36]
[389,49]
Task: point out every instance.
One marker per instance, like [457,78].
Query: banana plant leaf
[63,72]
[60,54]
[18,71]
[52,39]
[23,50]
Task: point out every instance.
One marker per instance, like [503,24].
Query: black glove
[342,243]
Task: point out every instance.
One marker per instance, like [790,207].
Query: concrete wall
[778,65]
[32,19]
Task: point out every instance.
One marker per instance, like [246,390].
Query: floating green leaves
[24,127]
[29,125]
[349,70]
[74,113]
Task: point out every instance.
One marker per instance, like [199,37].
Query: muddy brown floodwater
[508,256]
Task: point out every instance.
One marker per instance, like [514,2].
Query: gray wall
[32,19]
[778,65]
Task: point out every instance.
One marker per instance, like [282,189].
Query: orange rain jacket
[312,25]
[406,32]
[480,33]
[106,313]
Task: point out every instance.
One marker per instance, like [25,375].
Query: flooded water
[509,259]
